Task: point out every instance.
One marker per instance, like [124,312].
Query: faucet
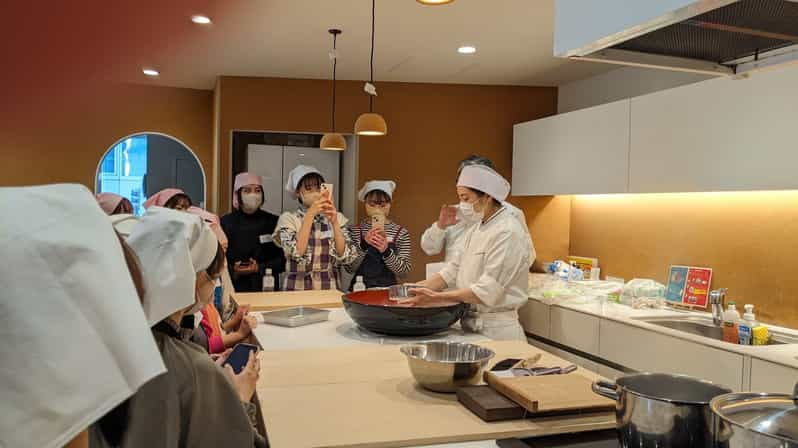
[718,299]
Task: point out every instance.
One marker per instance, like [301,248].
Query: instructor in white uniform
[491,270]
[446,234]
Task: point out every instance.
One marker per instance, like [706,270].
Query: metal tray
[295,317]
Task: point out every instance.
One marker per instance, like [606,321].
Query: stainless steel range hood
[716,37]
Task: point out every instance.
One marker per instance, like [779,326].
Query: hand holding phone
[327,191]
[378,222]
[239,356]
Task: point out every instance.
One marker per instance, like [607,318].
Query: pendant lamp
[333,141]
[434,2]
[371,123]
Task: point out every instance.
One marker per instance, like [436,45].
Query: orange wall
[430,128]
[748,238]
[65,144]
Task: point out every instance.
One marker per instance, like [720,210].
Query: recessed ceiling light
[202,20]
[150,72]
[434,2]
[467,49]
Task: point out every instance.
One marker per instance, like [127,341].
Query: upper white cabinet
[581,152]
[719,135]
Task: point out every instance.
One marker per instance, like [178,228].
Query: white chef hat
[172,247]
[124,223]
[388,186]
[296,175]
[486,180]
[75,341]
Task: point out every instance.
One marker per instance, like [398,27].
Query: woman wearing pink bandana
[249,230]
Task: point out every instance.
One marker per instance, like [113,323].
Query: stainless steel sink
[702,326]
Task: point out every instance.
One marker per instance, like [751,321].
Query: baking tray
[295,317]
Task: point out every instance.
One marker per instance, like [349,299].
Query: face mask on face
[310,198]
[468,212]
[384,210]
[251,201]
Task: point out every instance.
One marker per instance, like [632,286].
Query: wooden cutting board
[488,404]
[551,394]
[270,301]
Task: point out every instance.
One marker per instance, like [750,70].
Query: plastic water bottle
[268,281]
[359,285]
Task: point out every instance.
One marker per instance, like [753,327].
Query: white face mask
[251,201]
[308,199]
[469,214]
[371,211]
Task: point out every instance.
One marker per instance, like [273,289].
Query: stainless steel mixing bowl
[446,366]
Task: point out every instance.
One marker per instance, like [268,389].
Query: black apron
[373,268]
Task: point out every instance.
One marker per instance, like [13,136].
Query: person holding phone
[313,237]
[76,343]
[197,402]
[383,246]
[249,229]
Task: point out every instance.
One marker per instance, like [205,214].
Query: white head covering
[124,223]
[388,186]
[172,247]
[486,180]
[75,342]
[297,174]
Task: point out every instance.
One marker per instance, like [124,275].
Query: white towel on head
[388,186]
[172,247]
[75,339]
[296,175]
[486,180]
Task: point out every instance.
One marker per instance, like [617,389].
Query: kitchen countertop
[344,379]
[364,395]
[786,355]
[340,331]
[266,301]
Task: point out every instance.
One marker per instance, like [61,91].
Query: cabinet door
[534,317]
[648,351]
[770,377]
[585,151]
[575,329]
[718,135]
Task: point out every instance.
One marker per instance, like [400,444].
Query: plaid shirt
[317,268]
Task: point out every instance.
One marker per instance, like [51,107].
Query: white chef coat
[494,263]
[435,239]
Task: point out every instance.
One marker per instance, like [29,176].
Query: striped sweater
[398,261]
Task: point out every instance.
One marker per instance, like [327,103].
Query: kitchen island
[335,385]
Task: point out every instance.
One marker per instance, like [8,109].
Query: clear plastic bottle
[359,285]
[268,281]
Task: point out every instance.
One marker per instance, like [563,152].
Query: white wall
[622,83]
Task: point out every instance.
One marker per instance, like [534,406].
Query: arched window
[142,164]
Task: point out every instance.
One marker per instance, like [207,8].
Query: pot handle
[607,389]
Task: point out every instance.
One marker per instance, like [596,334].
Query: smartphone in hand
[327,191]
[239,357]
[378,222]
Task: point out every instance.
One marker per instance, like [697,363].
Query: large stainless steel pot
[755,420]
[662,410]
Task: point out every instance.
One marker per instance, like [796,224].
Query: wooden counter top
[269,301]
[365,396]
